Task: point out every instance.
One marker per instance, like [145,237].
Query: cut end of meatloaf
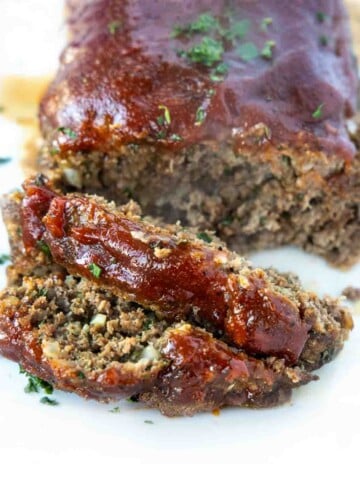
[81,336]
[260,154]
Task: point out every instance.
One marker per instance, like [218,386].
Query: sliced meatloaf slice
[92,335]
[230,116]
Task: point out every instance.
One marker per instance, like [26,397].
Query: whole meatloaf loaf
[105,303]
[228,115]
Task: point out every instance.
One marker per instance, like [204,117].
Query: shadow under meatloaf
[79,335]
[260,154]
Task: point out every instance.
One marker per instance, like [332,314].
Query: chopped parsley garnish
[174,137]
[200,116]
[149,422]
[49,401]
[324,40]
[248,51]
[204,236]
[266,22]
[133,399]
[95,270]
[115,410]
[267,51]
[134,147]
[42,292]
[318,112]
[207,52]
[54,151]
[166,118]
[44,247]
[161,135]
[35,384]
[149,322]
[80,374]
[4,257]
[237,30]
[114,26]
[217,75]
[321,17]
[4,160]
[68,132]
[40,180]
[128,192]
[203,24]
[227,221]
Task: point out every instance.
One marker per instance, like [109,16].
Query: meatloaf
[229,115]
[106,303]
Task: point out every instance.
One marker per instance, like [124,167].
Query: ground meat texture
[260,153]
[80,336]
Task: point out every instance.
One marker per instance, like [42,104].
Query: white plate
[321,424]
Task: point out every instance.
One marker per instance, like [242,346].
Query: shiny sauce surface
[179,278]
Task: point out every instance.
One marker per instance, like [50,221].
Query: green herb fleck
[1,109]
[4,160]
[44,247]
[128,192]
[167,117]
[4,257]
[237,30]
[286,159]
[40,180]
[174,137]
[200,116]
[42,292]
[54,151]
[204,237]
[114,26]
[321,17]
[265,23]
[132,399]
[115,410]
[80,374]
[262,221]
[217,75]
[267,51]
[149,422]
[227,221]
[161,135]
[35,384]
[318,112]
[49,401]
[134,147]
[149,322]
[207,52]
[68,132]
[324,40]
[203,24]
[247,51]
[95,270]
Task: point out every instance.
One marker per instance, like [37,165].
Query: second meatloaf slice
[227,115]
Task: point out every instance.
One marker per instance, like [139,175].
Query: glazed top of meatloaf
[178,73]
